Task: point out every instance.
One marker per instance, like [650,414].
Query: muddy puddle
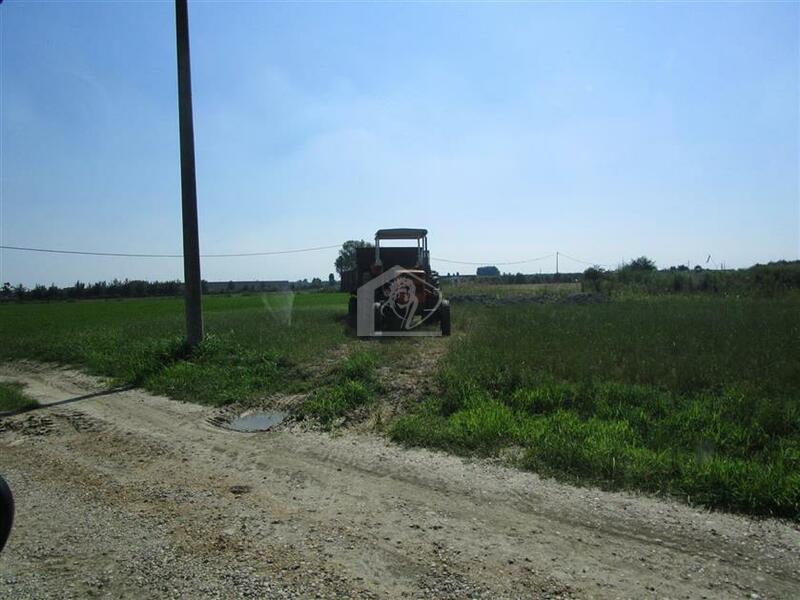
[257,421]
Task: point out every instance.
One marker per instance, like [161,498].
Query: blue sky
[509,130]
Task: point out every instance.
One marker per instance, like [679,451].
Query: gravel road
[125,494]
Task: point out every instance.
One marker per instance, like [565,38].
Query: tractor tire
[352,311]
[6,512]
[444,317]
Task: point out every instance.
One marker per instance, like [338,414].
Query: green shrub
[330,403]
[359,366]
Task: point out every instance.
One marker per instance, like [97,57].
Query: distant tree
[80,288]
[346,261]
[230,286]
[593,273]
[592,278]
[331,279]
[640,264]
[519,278]
[39,292]
[115,288]
[19,292]
[138,288]
[98,289]
[7,291]
[488,272]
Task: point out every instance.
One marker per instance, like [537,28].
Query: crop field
[517,289]
[690,396]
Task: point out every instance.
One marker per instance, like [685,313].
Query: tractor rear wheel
[352,311]
[6,512]
[444,317]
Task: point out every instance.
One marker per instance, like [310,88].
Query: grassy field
[256,344]
[12,398]
[692,396]
[469,288]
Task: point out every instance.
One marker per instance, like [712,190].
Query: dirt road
[124,494]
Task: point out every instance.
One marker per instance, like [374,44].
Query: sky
[604,131]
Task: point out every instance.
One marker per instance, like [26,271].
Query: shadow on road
[108,392]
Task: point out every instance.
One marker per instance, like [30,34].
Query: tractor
[393,288]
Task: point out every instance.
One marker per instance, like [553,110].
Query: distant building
[488,272]
[218,287]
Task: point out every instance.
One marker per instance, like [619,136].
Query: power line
[585,262]
[87,253]
[489,262]
[268,253]
[278,252]
[138,255]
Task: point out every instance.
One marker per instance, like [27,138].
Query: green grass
[352,384]
[696,397]
[500,290]
[257,344]
[12,398]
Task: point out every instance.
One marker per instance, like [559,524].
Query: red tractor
[393,290]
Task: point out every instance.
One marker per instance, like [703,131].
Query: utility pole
[191,241]
[556,262]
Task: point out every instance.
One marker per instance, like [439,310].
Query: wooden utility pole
[191,241]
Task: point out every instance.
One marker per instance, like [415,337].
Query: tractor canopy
[385,258]
[400,234]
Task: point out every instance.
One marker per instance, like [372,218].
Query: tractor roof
[400,234]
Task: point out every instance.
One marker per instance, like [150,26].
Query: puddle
[259,421]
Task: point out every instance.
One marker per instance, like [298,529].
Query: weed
[353,385]
[12,398]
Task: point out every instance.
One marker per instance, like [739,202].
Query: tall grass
[255,345]
[697,397]
[353,384]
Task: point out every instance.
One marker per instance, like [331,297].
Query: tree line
[128,288]
[136,288]
[642,275]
